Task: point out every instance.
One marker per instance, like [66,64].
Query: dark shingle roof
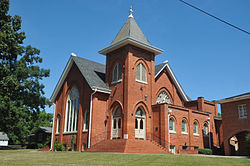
[159,67]
[93,72]
[4,136]
[131,30]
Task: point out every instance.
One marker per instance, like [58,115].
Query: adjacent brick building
[130,104]
[236,123]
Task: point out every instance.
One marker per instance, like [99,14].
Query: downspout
[90,116]
[52,137]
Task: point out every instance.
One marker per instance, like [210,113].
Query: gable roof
[4,136]
[159,68]
[93,72]
[130,33]
[234,98]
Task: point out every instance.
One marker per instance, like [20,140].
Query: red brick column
[164,125]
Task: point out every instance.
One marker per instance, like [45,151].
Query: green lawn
[34,158]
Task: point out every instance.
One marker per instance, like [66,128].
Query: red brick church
[130,104]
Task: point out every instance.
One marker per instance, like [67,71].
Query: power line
[236,27]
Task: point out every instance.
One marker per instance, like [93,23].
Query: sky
[208,57]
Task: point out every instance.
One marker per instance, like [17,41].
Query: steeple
[130,33]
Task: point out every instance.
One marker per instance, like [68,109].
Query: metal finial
[130,12]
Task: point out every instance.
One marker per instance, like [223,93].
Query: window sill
[196,135]
[184,133]
[57,133]
[143,82]
[71,132]
[85,131]
[115,82]
[172,132]
[244,117]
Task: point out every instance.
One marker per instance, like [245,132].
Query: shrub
[248,144]
[205,151]
[40,146]
[69,149]
[58,146]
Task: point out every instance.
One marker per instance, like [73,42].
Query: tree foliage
[21,93]
[248,144]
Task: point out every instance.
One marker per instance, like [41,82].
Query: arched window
[58,124]
[195,128]
[141,73]
[205,129]
[71,120]
[163,98]
[171,125]
[184,126]
[140,112]
[117,73]
[85,124]
[140,123]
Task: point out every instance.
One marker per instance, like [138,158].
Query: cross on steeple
[130,12]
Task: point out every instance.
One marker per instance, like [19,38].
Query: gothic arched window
[71,120]
[205,129]
[184,126]
[163,98]
[58,124]
[141,73]
[85,123]
[171,124]
[117,73]
[195,128]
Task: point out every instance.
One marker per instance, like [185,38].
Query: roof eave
[232,99]
[102,90]
[132,41]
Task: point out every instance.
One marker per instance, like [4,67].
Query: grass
[38,158]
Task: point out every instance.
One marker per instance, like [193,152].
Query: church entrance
[140,124]
[116,124]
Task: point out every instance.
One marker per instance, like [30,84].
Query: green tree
[248,144]
[21,93]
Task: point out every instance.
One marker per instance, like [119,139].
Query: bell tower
[130,73]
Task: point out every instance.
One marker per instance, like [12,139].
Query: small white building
[4,139]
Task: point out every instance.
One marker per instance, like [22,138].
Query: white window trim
[184,133]
[117,72]
[140,81]
[196,134]
[140,75]
[58,124]
[72,110]
[242,111]
[85,125]
[69,132]
[114,82]
[172,131]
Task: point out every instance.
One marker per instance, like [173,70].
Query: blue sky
[209,58]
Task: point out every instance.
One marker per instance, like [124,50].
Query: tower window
[141,73]
[117,73]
